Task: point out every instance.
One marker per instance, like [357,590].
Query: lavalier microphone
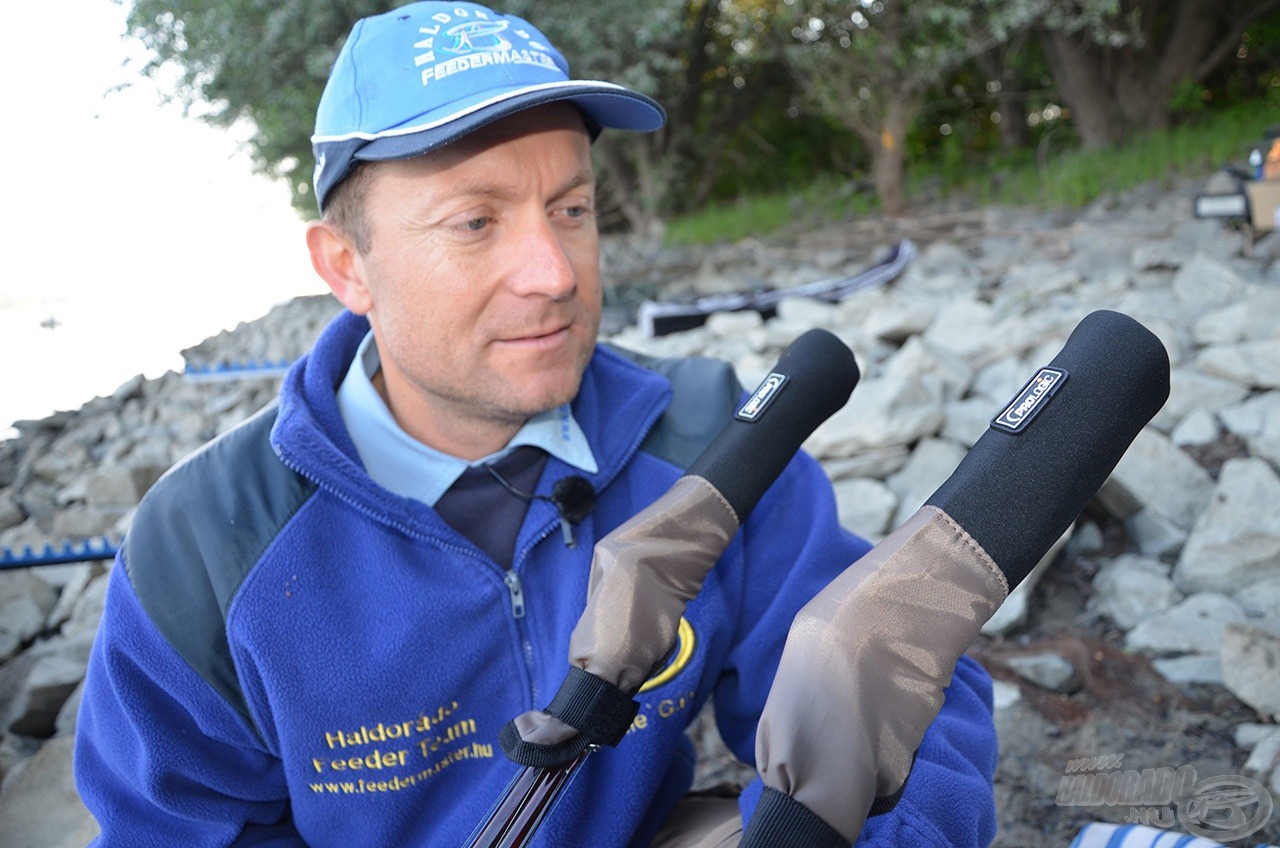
[573,497]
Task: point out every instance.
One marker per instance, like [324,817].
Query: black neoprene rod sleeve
[812,380]
[1049,451]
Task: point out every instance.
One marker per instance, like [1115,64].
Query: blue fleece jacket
[291,655]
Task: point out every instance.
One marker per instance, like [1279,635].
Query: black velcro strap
[781,821]
[600,710]
[539,756]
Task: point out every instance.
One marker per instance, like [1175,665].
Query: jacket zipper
[516,590]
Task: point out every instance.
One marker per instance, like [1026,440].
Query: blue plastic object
[88,550]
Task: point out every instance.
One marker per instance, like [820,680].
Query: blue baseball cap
[413,79]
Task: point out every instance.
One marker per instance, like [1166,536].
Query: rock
[1013,613]
[883,412]
[966,420]
[39,804]
[1153,534]
[1255,364]
[1157,474]
[1204,283]
[11,514]
[1190,389]
[916,359]
[1236,540]
[33,708]
[898,321]
[1251,666]
[1048,671]
[1249,734]
[1198,428]
[1251,318]
[1004,694]
[962,329]
[1265,756]
[1257,421]
[1193,626]
[1132,589]
[866,507]
[931,463]
[25,602]
[1190,668]
[1261,599]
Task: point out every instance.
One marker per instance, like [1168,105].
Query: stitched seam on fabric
[972,543]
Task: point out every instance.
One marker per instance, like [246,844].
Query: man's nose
[542,263]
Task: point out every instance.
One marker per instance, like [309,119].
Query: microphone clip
[573,498]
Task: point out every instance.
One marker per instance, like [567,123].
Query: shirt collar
[400,463]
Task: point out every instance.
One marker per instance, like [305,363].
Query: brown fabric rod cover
[643,575]
[862,673]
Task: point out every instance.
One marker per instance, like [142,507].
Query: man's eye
[476,224]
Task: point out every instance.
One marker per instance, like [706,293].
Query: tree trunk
[888,155]
[1113,92]
[1011,97]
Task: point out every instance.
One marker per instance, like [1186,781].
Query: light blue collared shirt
[400,463]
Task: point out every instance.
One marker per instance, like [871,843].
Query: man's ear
[336,260]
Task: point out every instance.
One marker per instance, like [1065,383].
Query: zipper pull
[516,590]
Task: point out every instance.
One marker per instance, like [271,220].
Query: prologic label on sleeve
[763,396]
[1029,402]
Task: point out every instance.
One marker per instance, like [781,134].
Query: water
[140,230]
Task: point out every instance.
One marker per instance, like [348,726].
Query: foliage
[872,68]
[1071,177]
[264,62]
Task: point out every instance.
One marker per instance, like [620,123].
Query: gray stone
[1154,534]
[966,420]
[1004,694]
[1016,609]
[1190,668]
[1253,318]
[1190,389]
[1257,420]
[1265,754]
[883,412]
[1198,428]
[1255,416]
[1194,626]
[917,359]
[33,708]
[897,321]
[11,515]
[1261,599]
[1048,671]
[963,329]
[931,463]
[876,463]
[1156,474]
[25,602]
[39,804]
[1205,283]
[1236,540]
[1131,589]
[1255,364]
[1251,666]
[866,507]
[1160,254]
[1086,539]
[1249,734]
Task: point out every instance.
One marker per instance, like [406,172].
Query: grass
[1050,177]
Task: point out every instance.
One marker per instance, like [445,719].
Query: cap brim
[609,106]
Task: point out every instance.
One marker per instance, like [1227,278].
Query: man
[320,622]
